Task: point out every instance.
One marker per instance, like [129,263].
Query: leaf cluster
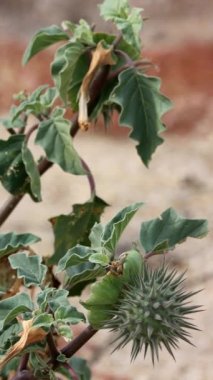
[94,75]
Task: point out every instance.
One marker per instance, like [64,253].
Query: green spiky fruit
[152,313]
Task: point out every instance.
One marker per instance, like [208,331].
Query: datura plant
[94,75]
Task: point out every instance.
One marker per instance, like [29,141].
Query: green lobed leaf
[81,32]
[12,170]
[82,273]
[96,234]
[18,171]
[57,113]
[11,242]
[69,315]
[53,298]
[39,366]
[100,258]
[30,268]
[32,172]
[42,39]
[44,321]
[114,229]
[11,307]
[48,98]
[66,61]
[162,234]
[127,19]
[66,332]
[142,111]
[110,9]
[54,137]
[74,256]
[74,228]
[8,335]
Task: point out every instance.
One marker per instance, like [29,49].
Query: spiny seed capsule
[152,313]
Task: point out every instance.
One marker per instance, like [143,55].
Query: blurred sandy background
[178,37]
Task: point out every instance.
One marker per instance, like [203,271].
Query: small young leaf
[11,307]
[48,98]
[32,172]
[82,273]
[39,365]
[31,105]
[44,321]
[116,226]
[74,256]
[11,242]
[81,32]
[142,111]
[100,258]
[54,298]
[127,19]
[69,315]
[42,39]
[75,227]
[96,234]
[29,268]
[57,113]
[54,137]
[111,9]
[162,234]
[66,332]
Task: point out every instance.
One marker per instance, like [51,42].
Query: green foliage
[54,137]
[32,172]
[113,230]
[13,174]
[68,69]
[34,103]
[94,74]
[29,268]
[10,122]
[127,19]
[142,111]
[162,234]
[8,336]
[75,227]
[11,307]
[42,39]
[12,242]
